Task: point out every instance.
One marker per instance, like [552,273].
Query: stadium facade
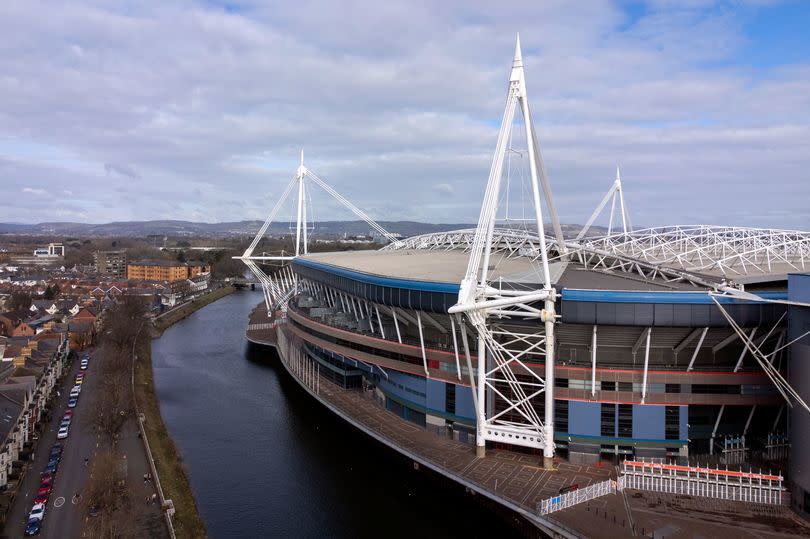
[663,342]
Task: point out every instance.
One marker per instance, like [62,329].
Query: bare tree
[123,320]
[109,497]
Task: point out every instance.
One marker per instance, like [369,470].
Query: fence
[707,482]
[575,497]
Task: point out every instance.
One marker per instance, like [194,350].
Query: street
[63,516]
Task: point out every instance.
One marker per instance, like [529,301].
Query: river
[267,460]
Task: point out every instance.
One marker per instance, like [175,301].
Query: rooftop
[450,266]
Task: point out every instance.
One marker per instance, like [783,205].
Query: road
[63,517]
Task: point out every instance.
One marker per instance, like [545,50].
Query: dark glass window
[673,388]
[561,382]
[561,416]
[608,419]
[625,420]
[608,386]
[673,423]
[450,398]
[626,386]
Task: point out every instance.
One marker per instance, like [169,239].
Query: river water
[267,460]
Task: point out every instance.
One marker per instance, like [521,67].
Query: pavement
[63,516]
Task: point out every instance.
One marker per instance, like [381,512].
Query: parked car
[45,479]
[75,391]
[63,433]
[42,495]
[68,413]
[84,364]
[33,526]
[38,511]
[64,424]
[73,402]
[53,465]
[78,381]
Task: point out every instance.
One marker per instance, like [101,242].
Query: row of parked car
[48,475]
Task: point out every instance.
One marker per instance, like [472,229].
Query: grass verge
[172,317]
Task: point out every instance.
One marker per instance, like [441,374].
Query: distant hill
[230,229]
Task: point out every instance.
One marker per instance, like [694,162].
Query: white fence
[576,497]
[708,482]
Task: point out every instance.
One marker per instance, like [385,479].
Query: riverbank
[166,320]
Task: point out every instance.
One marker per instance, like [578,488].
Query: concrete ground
[63,517]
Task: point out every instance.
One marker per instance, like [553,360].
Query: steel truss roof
[682,252]
[720,250]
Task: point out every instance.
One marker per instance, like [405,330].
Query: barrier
[578,496]
[699,481]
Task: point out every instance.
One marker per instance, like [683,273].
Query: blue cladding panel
[615,296]
[464,402]
[410,388]
[649,422]
[684,426]
[423,286]
[584,418]
[435,395]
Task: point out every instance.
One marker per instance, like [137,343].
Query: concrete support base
[480,451]
[548,463]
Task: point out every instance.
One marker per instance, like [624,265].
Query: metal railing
[700,481]
[576,497]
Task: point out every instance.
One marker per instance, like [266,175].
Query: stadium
[668,342]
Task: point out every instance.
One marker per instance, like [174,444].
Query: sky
[123,110]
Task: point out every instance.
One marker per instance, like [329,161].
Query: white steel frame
[615,191]
[502,352]
[729,251]
[278,291]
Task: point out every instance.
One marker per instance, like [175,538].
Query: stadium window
[608,385]
[626,386]
[672,429]
[608,420]
[673,388]
[449,398]
[561,416]
[625,420]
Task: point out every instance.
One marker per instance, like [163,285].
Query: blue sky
[197,110]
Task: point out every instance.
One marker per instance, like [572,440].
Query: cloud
[34,191]
[122,170]
[133,106]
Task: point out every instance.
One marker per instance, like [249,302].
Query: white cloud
[396,104]
[34,191]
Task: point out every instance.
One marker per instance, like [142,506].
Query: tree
[181,256]
[111,498]
[52,292]
[123,321]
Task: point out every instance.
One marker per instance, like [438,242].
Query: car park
[73,402]
[33,527]
[38,511]
[63,433]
